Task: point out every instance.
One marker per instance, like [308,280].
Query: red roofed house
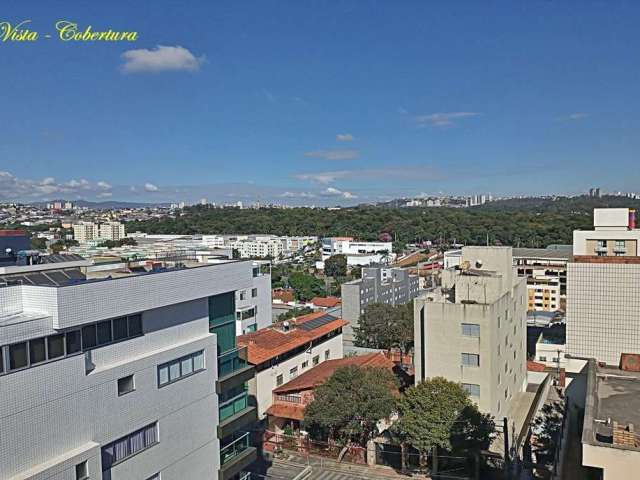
[287,349]
[291,398]
[325,302]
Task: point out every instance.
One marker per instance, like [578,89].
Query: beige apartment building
[472,329]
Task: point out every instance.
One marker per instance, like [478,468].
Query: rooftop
[269,343]
[558,252]
[612,407]
[327,302]
[319,374]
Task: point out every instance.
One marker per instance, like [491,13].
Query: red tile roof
[293,411]
[327,302]
[282,294]
[268,343]
[319,374]
[535,366]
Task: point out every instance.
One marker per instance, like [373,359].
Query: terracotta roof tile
[327,302]
[293,411]
[268,343]
[319,374]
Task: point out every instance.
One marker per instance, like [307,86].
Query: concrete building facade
[393,286]
[472,330]
[122,377]
[357,253]
[603,289]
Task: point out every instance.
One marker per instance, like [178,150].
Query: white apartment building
[603,288]
[260,246]
[253,305]
[85,232]
[284,351]
[123,376]
[472,330]
[357,253]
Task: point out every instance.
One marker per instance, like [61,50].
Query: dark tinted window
[18,356]
[36,350]
[56,346]
[73,342]
[89,336]
[135,325]
[120,328]
[104,332]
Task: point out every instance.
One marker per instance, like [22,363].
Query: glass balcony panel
[234,448]
[233,406]
[232,361]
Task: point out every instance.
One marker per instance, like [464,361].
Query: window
[120,328]
[180,368]
[82,471]
[254,292]
[104,332]
[55,346]
[243,295]
[470,359]
[472,389]
[154,477]
[293,372]
[316,360]
[327,354]
[18,356]
[74,344]
[125,385]
[543,358]
[470,330]
[37,352]
[279,380]
[89,337]
[305,364]
[129,445]
[135,325]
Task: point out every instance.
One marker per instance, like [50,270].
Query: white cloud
[401,172]
[160,59]
[334,192]
[336,154]
[442,119]
[150,187]
[344,137]
[12,187]
[104,195]
[322,177]
[297,195]
[577,116]
[103,185]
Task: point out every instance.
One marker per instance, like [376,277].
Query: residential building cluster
[86,232]
[358,253]
[261,246]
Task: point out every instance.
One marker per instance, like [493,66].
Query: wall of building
[265,382]
[603,301]
[616,463]
[54,410]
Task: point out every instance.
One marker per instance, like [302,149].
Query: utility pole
[507,460]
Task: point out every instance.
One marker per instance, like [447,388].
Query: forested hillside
[518,222]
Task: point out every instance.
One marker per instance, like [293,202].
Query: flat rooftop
[560,252]
[612,409]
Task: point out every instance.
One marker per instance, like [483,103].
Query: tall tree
[348,406]
[336,266]
[306,286]
[386,326]
[439,413]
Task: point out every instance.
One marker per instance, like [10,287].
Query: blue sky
[321,102]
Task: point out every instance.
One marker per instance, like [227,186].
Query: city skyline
[339,104]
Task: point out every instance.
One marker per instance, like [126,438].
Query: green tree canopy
[386,326]
[306,286]
[336,266]
[347,407]
[439,413]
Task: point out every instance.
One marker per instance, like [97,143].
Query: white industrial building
[472,329]
[125,374]
[357,253]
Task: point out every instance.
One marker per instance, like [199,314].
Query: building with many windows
[472,329]
[357,253]
[603,290]
[132,373]
[287,349]
[393,286]
[85,232]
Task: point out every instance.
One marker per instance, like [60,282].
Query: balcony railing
[233,406]
[288,398]
[234,449]
[232,361]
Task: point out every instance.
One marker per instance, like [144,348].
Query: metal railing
[232,361]
[233,406]
[235,448]
[288,398]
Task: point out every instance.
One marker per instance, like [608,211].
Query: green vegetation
[60,245]
[294,312]
[347,407]
[336,266]
[439,413]
[517,222]
[306,286]
[117,243]
[39,243]
[385,326]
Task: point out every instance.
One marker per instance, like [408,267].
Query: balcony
[235,413]
[233,369]
[236,456]
[601,249]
